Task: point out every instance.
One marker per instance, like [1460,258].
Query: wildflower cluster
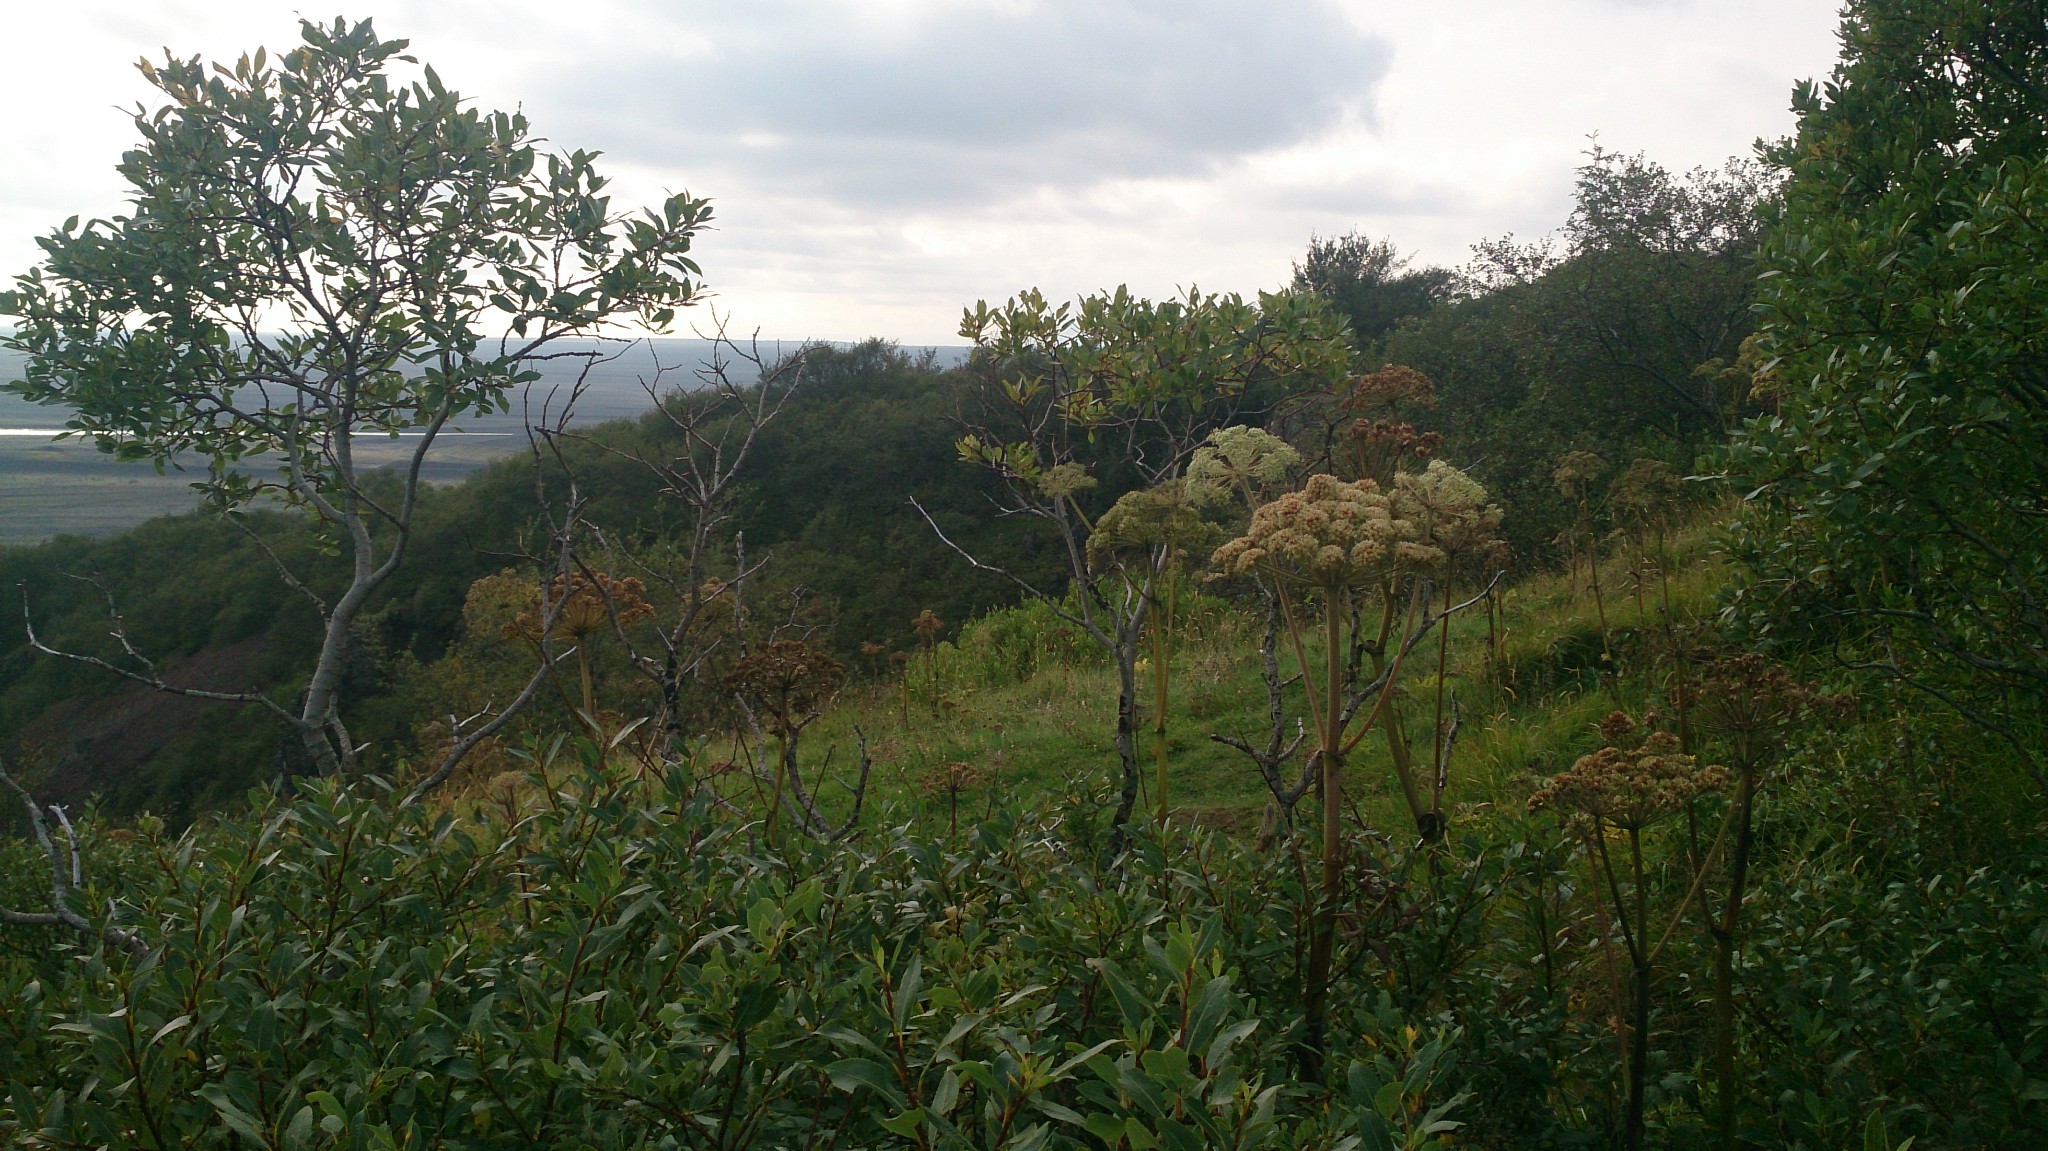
[1379,444]
[948,780]
[1753,703]
[1646,491]
[1379,448]
[1629,787]
[1576,472]
[789,680]
[1149,518]
[1391,388]
[1064,481]
[1239,459]
[1329,534]
[1452,517]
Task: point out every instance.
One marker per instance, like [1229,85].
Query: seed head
[1628,788]
[1330,534]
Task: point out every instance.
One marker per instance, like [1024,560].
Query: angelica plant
[1640,779]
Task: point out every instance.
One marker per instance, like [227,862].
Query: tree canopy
[1897,516]
[315,250]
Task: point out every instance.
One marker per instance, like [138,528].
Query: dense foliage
[1899,514]
[1678,885]
[314,251]
[1618,340]
[612,962]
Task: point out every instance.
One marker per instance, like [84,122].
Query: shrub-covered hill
[586,950]
[825,500]
[1590,346]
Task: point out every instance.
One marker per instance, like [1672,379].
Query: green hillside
[1592,698]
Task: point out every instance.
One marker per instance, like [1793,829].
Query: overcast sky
[877,164]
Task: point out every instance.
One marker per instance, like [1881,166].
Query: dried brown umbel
[789,682]
[1646,492]
[1575,473]
[584,605]
[1628,788]
[1753,703]
[950,780]
[1619,729]
[1392,388]
[1379,449]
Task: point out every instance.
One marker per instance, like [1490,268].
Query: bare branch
[149,674]
[814,821]
[284,572]
[61,912]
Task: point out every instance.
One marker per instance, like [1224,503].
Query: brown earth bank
[100,743]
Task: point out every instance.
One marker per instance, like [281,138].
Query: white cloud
[878,164]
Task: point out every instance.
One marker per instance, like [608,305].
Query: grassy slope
[1050,733]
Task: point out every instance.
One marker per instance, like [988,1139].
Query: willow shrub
[628,967]
[625,968]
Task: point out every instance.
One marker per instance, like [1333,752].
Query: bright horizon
[877,167]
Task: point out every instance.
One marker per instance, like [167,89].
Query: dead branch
[62,886]
[807,808]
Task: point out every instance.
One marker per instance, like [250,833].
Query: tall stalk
[1389,716]
[1331,752]
[1751,703]
[1162,655]
[1639,779]
[1440,741]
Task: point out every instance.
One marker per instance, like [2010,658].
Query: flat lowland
[59,487]
[50,487]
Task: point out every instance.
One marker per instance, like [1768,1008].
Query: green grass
[1049,732]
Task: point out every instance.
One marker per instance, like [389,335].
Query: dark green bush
[622,964]
[625,969]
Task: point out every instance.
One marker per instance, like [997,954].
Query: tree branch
[61,887]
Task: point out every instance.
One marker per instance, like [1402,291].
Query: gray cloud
[973,104]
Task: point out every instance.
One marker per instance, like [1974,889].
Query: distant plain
[51,487]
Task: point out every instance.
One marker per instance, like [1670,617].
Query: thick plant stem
[1438,768]
[1404,764]
[1126,749]
[1162,653]
[775,792]
[1639,1052]
[589,713]
[1639,995]
[1600,606]
[1724,1037]
[1681,660]
[1724,957]
[1322,945]
[1390,720]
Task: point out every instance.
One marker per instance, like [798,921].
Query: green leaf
[239,1120]
[850,1074]
[905,1124]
